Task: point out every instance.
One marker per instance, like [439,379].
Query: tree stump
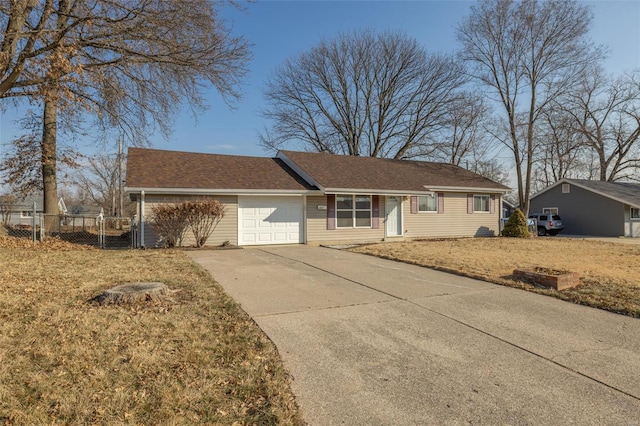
[131,293]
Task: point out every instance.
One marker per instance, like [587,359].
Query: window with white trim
[353,211]
[635,213]
[428,203]
[26,214]
[481,203]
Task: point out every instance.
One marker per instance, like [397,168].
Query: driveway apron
[375,342]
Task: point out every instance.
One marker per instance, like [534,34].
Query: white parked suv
[547,223]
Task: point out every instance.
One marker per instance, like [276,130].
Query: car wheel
[542,231]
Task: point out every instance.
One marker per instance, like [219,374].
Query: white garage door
[270,220]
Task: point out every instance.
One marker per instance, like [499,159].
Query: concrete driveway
[375,342]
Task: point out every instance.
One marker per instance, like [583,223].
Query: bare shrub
[170,223]
[203,216]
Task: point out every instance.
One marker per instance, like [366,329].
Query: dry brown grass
[197,360]
[610,272]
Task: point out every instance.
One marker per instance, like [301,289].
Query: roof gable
[344,172]
[159,169]
[624,192]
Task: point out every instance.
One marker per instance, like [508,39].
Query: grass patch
[610,272]
[198,359]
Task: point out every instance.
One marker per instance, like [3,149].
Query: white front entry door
[269,220]
[394,216]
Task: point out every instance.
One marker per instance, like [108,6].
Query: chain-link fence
[101,231]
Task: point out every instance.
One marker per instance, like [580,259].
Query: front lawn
[198,359]
[610,272]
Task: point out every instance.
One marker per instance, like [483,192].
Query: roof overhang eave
[467,189]
[365,191]
[427,191]
[225,191]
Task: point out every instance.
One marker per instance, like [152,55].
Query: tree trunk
[135,293]
[49,162]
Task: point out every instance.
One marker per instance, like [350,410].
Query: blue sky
[279,29]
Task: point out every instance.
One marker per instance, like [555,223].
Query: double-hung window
[353,211]
[635,213]
[481,203]
[428,203]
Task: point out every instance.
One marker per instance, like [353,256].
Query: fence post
[100,226]
[33,223]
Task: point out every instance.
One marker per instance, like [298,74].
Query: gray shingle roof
[626,192]
[160,169]
[153,168]
[349,172]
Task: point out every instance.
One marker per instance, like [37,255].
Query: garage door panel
[248,239]
[270,220]
[264,225]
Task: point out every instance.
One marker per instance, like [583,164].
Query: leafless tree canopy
[561,153]
[365,93]
[7,206]
[526,53]
[605,114]
[592,131]
[464,139]
[159,50]
[96,182]
[129,64]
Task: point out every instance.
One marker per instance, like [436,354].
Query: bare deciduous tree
[491,169]
[526,52]
[7,206]
[97,181]
[561,153]
[365,93]
[464,138]
[605,112]
[128,63]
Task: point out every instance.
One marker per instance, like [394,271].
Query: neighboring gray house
[507,208]
[22,210]
[587,207]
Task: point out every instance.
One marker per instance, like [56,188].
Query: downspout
[142,219]
[500,215]
[304,219]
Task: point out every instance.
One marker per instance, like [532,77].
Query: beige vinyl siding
[317,225]
[227,229]
[454,222]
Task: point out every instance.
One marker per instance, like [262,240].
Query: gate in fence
[100,231]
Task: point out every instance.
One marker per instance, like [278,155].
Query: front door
[394,216]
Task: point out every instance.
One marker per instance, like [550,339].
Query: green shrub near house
[516,226]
